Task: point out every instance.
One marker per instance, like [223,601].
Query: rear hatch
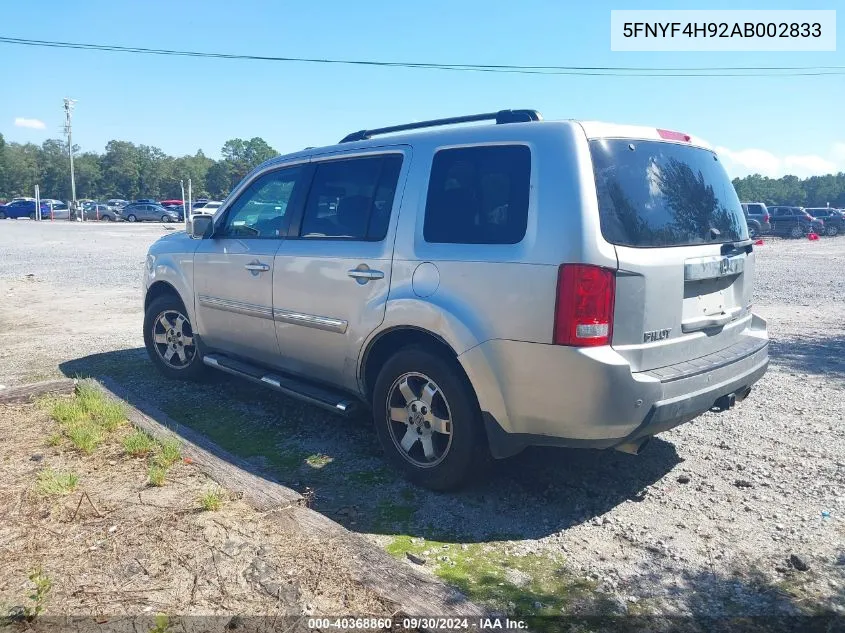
[686,266]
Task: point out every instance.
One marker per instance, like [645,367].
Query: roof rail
[500,117]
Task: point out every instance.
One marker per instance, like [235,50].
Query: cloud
[759,161]
[33,124]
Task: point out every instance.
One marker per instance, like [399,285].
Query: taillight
[766,217]
[671,135]
[584,308]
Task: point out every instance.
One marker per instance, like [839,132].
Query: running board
[334,401]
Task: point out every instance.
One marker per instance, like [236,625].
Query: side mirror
[201,226]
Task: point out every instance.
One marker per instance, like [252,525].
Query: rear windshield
[657,194]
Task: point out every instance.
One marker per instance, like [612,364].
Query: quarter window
[352,198]
[478,195]
[261,210]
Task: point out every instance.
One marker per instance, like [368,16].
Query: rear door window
[478,195]
[352,198]
[655,194]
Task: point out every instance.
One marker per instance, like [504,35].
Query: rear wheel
[832,230]
[796,231]
[427,419]
[2,216]
[32,215]
[170,339]
[752,232]
[131,218]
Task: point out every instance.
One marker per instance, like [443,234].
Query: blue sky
[771,125]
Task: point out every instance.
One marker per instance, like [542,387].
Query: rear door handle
[257,267]
[363,276]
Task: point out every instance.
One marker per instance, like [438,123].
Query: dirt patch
[105,542]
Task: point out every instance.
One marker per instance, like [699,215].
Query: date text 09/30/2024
[410,623]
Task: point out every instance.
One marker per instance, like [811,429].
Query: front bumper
[544,395]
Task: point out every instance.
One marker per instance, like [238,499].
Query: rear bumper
[545,395]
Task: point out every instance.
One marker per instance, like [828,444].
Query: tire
[32,215]
[752,232]
[831,230]
[2,216]
[165,219]
[796,231]
[131,218]
[105,218]
[455,455]
[185,361]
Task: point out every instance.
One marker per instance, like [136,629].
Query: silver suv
[479,288]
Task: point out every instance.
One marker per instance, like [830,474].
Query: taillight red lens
[766,217]
[584,309]
[671,135]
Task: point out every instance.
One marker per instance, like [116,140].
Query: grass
[171,452]
[211,500]
[318,461]
[138,444]
[479,570]
[52,482]
[86,418]
[156,475]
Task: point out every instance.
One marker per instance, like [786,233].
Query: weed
[171,452]
[211,500]
[40,594]
[156,475]
[84,435]
[104,411]
[55,439]
[319,460]
[51,482]
[138,444]
[67,412]
[375,476]
[162,624]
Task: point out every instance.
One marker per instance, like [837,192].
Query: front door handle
[365,275]
[257,267]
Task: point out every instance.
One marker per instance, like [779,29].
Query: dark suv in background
[757,212]
[794,222]
[833,219]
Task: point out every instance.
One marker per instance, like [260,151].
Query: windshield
[656,194]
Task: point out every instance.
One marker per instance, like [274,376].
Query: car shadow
[810,355]
[337,463]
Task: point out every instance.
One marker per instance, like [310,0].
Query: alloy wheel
[173,339]
[419,420]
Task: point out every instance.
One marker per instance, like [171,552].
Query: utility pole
[69,103]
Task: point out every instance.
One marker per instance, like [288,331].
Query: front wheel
[427,419]
[32,215]
[2,216]
[796,232]
[170,339]
[832,230]
[131,218]
[105,218]
[165,219]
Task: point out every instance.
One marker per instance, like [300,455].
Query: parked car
[170,203]
[475,301]
[116,203]
[54,209]
[794,222]
[176,208]
[103,213]
[759,212]
[146,201]
[140,212]
[20,208]
[832,218]
[754,226]
[208,208]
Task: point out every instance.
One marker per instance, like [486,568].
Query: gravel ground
[715,517]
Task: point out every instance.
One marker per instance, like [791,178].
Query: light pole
[69,103]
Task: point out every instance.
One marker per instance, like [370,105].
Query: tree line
[815,191]
[125,170]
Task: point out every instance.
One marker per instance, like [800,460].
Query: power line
[612,71]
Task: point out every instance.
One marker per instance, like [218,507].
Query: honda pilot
[476,289]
